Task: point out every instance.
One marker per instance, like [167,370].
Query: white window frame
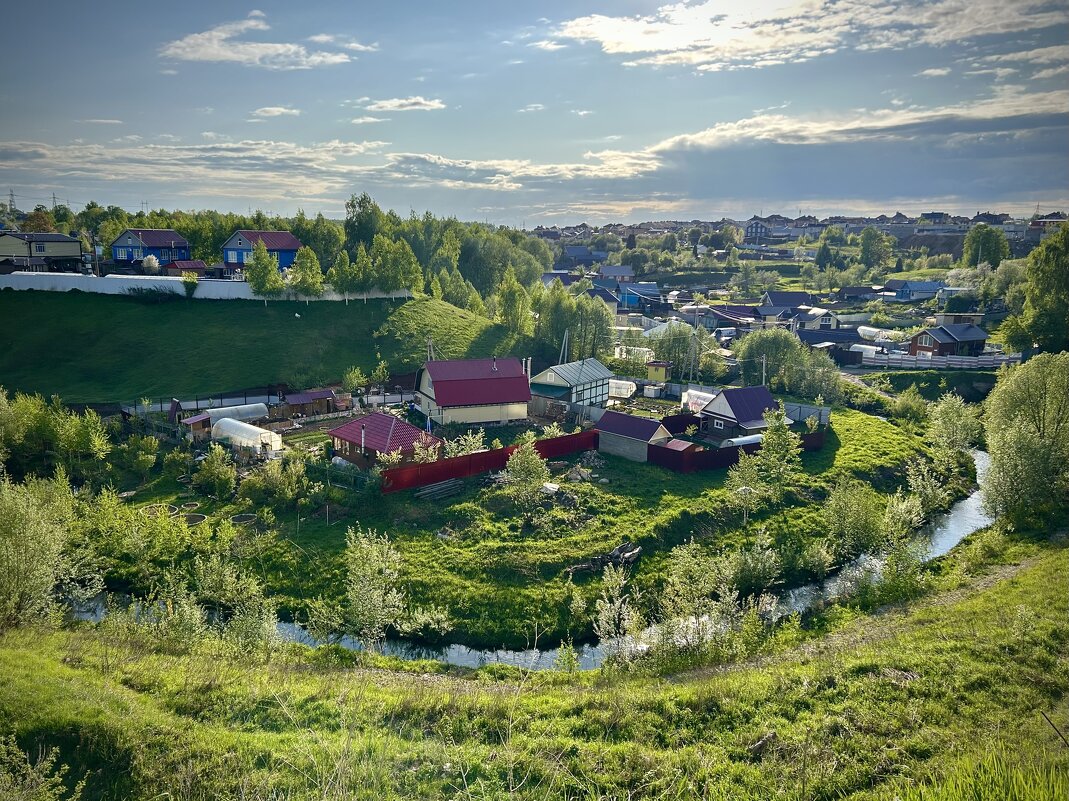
[718,423]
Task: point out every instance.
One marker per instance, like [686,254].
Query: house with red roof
[360,441]
[237,251]
[473,391]
[736,412]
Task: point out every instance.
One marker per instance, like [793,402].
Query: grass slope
[880,707]
[99,348]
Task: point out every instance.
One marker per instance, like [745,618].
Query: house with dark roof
[312,402]
[473,391]
[611,301]
[786,299]
[237,250]
[585,381]
[582,256]
[40,252]
[623,273]
[964,339]
[629,436]
[907,290]
[736,412]
[362,440]
[134,244]
[566,278]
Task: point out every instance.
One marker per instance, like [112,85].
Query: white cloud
[358,47]
[416,103]
[368,120]
[277,111]
[582,112]
[169,138]
[102,122]
[999,72]
[322,38]
[934,72]
[1052,72]
[531,107]
[128,138]
[168,72]
[1042,55]
[547,44]
[220,44]
[712,35]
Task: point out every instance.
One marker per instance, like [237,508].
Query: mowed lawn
[99,348]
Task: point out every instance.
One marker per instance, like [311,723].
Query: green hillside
[97,348]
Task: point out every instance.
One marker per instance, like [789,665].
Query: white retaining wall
[207,288]
[907,362]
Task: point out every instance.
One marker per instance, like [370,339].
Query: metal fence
[907,362]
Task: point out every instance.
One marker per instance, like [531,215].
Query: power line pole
[53,202]
[764,364]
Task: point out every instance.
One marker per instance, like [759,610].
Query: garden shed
[629,436]
[246,437]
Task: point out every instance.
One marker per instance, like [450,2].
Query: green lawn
[874,710]
[99,348]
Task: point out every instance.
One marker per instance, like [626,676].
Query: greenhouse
[242,435]
[249,411]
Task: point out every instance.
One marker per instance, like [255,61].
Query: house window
[718,423]
[39,247]
[925,341]
[825,320]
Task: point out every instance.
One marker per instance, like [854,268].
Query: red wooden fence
[411,476]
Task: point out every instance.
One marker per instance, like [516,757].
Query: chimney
[494,368]
[363,452]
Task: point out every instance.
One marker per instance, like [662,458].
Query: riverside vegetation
[190,691]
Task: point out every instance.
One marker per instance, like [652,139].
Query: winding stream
[939,537]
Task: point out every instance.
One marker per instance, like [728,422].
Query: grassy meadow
[940,699]
[100,348]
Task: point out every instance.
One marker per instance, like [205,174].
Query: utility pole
[53,202]
[764,364]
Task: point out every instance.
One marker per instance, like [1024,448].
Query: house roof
[957,332]
[678,445]
[155,237]
[383,433]
[273,240]
[617,271]
[629,426]
[475,382]
[40,237]
[195,265]
[748,404]
[790,299]
[603,295]
[567,279]
[197,418]
[810,336]
[296,398]
[814,313]
[573,374]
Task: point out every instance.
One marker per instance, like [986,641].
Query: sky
[529,114]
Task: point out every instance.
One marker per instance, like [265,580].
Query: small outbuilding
[360,441]
[585,381]
[964,339]
[629,436]
[737,412]
[658,371]
[310,403]
[199,425]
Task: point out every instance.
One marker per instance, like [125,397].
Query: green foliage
[39,780]
[779,460]
[1046,307]
[875,248]
[216,475]
[305,275]
[526,472]
[953,428]
[984,244]
[374,600]
[853,518]
[354,379]
[909,405]
[513,304]
[280,484]
[189,283]
[1027,429]
[262,273]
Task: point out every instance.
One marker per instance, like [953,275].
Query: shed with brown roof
[360,441]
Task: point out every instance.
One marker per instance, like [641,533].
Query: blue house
[237,251]
[134,244]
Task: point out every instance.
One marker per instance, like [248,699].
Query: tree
[746,485]
[374,600]
[1027,426]
[150,265]
[342,276]
[693,235]
[380,376]
[953,427]
[780,349]
[875,249]
[853,517]
[526,472]
[39,221]
[353,380]
[216,475]
[513,304]
[37,565]
[614,616]
[670,243]
[364,221]
[779,461]
[189,283]
[426,449]
[262,273]
[984,244]
[1046,308]
[630,242]
[306,277]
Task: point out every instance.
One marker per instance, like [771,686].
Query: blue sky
[542,113]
